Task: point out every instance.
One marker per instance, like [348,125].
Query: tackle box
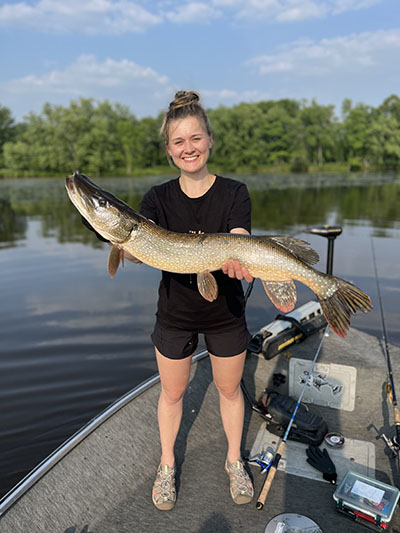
[366,500]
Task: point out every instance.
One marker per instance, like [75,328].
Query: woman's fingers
[234,270]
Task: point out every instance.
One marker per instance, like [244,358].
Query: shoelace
[240,477]
[165,484]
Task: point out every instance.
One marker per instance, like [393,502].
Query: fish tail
[345,301]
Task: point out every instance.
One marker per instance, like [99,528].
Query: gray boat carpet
[104,484]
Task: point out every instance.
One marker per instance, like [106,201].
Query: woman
[198,202]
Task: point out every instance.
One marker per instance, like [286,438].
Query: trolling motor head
[330,232]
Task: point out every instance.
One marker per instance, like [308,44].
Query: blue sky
[140,52]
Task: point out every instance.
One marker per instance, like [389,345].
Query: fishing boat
[100,480]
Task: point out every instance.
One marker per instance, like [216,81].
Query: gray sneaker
[241,486]
[164,494]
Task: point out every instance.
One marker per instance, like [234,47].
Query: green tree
[354,134]
[8,130]
[320,132]
[384,141]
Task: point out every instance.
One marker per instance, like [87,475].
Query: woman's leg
[174,375]
[227,373]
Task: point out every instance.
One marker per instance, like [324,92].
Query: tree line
[102,138]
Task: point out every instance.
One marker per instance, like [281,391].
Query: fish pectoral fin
[132,258]
[207,286]
[114,259]
[282,294]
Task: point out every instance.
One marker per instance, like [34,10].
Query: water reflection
[283,202]
[73,340]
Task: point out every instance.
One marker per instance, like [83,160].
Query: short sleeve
[240,215]
[148,206]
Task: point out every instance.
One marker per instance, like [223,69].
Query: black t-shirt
[226,205]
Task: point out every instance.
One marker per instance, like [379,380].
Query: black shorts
[176,343]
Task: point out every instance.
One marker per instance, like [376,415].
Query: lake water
[73,340]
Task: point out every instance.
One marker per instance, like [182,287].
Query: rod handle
[396,415]
[270,476]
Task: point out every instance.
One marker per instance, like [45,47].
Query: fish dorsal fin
[299,248]
[282,294]
[207,285]
[114,259]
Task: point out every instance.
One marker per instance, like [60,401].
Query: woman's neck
[195,186]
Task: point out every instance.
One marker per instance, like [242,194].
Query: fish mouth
[82,186]
[69,183]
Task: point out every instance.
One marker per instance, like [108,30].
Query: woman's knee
[174,394]
[230,391]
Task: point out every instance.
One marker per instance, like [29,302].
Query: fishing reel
[393,443]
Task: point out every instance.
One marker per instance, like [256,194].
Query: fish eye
[102,202]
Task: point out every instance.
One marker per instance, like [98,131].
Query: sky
[139,53]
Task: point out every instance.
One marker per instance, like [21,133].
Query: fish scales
[191,254]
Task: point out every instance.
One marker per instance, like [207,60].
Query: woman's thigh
[227,371]
[174,373]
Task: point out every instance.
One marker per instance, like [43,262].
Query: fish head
[109,216]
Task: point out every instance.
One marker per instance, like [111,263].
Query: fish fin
[282,294]
[346,300]
[207,286]
[299,248]
[114,259]
[132,258]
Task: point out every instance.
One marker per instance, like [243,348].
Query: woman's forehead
[185,126]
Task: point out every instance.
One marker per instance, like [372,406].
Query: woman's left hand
[233,269]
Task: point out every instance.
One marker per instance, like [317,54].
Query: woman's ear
[210,142]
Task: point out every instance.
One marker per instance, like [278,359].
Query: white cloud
[341,6]
[228,97]
[291,10]
[349,54]
[124,81]
[193,12]
[304,10]
[117,17]
[90,17]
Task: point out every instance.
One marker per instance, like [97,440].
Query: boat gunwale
[12,496]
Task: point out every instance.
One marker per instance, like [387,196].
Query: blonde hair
[185,104]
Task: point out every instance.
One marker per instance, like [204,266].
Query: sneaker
[241,486]
[164,494]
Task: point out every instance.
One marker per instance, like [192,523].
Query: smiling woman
[198,202]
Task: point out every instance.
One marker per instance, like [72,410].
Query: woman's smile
[189,144]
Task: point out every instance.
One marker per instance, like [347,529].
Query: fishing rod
[393,444]
[281,448]
[329,232]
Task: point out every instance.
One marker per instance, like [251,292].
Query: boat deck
[104,484]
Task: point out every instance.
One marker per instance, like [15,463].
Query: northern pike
[276,260]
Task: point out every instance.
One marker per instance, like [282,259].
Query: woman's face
[189,144]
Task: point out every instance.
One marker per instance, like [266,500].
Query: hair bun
[184,98]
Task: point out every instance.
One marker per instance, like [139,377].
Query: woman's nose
[189,148]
